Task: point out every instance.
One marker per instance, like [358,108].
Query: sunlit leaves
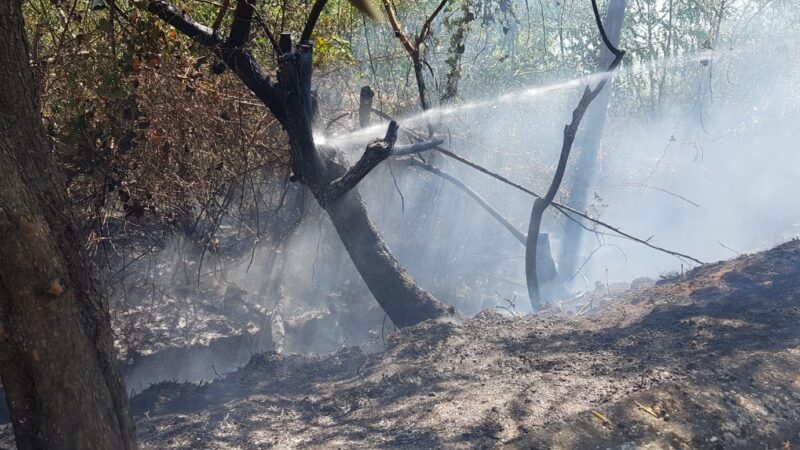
[331,49]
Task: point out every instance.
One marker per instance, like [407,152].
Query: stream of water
[448,113]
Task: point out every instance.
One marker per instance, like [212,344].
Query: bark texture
[57,359]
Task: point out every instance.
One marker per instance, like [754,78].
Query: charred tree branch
[311,23]
[518,235]
[270,35]
[375,153]
[570,130]
[185,24]
[220,15]
[419,75]
[400,150]
[236,58]
[541,204]
[242,22]
[584,166]
[568,212]
[599,22]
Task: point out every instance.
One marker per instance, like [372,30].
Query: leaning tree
[318,167]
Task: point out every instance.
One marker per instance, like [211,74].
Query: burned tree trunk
[570,131]
[588,146]
[318,168]
[387,281]
[57,359]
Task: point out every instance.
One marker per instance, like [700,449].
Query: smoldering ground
[707,170]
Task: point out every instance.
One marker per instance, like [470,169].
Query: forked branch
[426,27]
[232,52]
[570,130]
[411,49]
[375,153]
[242,22]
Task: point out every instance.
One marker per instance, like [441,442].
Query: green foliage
[330,50]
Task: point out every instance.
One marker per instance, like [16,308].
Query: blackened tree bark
[57,359]
[365,106]
[319,168]
[588,146]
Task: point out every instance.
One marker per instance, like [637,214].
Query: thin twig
[564,209]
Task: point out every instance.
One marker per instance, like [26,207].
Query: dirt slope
[707,360]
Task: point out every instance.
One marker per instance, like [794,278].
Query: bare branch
[184,24]
[655,188]
[269,34]
[518,235]
[335,119]
[412,50]
[426,27]
[375,153]
[220,15]
[569,137]
[236,58]
[401,150]
[242,22]
[313,16]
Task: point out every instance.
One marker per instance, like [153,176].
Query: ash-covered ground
[709,359]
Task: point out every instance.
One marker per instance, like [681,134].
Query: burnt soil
[709,359]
